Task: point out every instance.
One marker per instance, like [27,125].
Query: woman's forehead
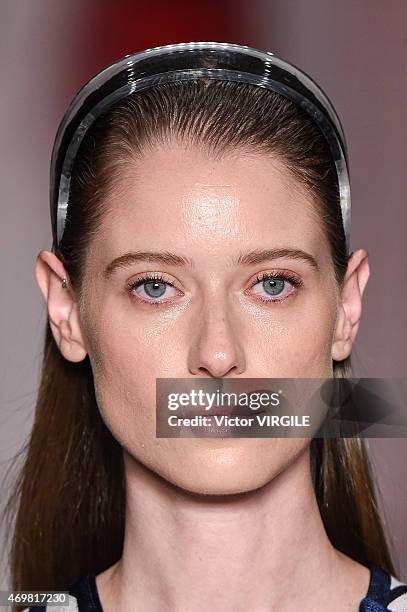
[185,190]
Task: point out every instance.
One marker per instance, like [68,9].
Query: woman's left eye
[276,287]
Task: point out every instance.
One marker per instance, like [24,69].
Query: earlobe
[342,344]
[61,306]
[350,308]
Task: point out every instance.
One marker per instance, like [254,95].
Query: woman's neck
[263,550]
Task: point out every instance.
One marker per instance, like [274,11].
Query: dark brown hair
[70,492]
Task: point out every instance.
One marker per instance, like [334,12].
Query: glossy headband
[184,61]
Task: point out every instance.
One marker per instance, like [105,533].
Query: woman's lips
[243,411]
[210,427]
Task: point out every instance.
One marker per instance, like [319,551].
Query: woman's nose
[216,345]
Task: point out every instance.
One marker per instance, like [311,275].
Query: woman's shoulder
[386,593]
[71,606]
[83,597]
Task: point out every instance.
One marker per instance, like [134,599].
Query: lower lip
[214,430]
[230,411]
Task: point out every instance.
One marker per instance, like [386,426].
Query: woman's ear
[61,305]
[350,308]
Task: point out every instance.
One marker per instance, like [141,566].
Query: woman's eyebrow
[134,257]
[261,255]
[244,259]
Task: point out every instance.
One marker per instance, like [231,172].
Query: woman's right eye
[148,289]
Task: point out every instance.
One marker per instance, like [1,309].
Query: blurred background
[355,49]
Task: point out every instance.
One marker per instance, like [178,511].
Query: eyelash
[286,276]
[147,278]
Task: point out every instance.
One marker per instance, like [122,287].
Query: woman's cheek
[304,342]
[317,341]
[125,396]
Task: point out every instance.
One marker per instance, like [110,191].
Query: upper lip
[215,410]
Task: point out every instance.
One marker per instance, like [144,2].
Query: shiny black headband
[184,61]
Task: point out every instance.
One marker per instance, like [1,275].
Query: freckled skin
[181,200]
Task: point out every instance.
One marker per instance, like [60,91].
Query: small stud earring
[64,283]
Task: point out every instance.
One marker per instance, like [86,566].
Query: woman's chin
[221,466]
[225,469]
[220,486]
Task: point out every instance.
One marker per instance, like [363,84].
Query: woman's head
[227,184]
[230,183]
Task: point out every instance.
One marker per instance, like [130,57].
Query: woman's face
[228,222]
